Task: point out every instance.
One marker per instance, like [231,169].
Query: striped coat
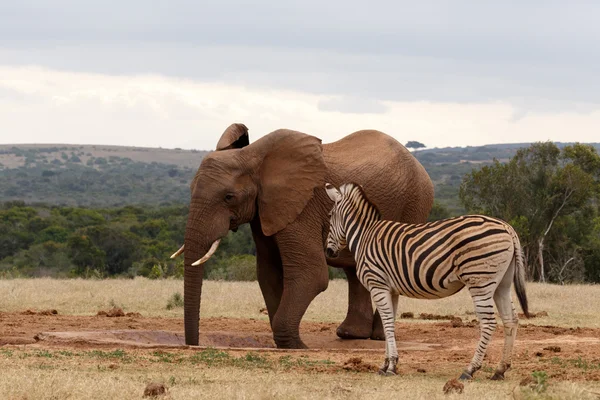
[430,261]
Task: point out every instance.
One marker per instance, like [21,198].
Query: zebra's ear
[332,192]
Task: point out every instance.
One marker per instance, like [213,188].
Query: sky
[177,73]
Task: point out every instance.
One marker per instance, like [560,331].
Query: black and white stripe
[431,261]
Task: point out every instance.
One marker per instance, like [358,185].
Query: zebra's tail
[519,278]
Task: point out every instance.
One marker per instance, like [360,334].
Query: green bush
[176,301]
[235,268]
[156,272]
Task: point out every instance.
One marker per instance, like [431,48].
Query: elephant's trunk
[198,248]
[192,292]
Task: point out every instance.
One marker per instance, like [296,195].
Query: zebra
[430,261]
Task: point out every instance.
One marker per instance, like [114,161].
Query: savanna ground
[73,352]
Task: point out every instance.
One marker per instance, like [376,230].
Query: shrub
[176,301]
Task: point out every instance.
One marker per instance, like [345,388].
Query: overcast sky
[177,73]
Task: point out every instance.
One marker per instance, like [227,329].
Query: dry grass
[30,373]
[50,375]
[566,305]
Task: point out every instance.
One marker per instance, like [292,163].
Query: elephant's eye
[228,197]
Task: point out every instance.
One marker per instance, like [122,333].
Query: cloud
[51,106]
[352,105]
[541,54]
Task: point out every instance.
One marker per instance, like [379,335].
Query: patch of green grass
[214,357]
[211,357]
[584,364]
[287,362]
[6,352]
[176,301]
[541,381]
[44,353]
[165,357]
[109,355]
[253,360]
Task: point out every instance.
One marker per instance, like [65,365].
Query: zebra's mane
[348,189]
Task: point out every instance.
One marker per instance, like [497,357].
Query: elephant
[277,185]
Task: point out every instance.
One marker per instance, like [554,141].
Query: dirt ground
[426,347]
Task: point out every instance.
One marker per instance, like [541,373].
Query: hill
[96,176]
[112,176]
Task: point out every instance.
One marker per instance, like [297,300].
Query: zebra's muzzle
[330,253]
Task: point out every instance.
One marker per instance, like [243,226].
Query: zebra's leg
[484,309]
[385,303]
[510,320]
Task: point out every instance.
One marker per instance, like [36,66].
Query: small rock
[421,370]
[264,311]
[539,354]
[155,389]
[48,312]
[453,386]
[113,312]
[134,314]
[356,364]
[457,323]
[407,315]
[554,349]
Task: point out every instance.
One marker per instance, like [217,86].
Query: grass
[248,376]
[56,373]
[566,305]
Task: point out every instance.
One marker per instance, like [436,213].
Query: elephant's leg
[268,269]
[360,323]
[378,332]
[359,318]
[305,275]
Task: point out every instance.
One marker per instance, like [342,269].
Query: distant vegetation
[94,243]
[98,211]
[552,198]
[97,177]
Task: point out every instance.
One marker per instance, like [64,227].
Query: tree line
[550,195]
[552,198]
[56,241]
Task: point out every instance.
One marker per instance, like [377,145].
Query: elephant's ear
[234,137]
[291,170]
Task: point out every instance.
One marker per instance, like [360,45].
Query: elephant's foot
[289,343]
[355,327]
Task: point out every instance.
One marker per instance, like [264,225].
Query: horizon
[524,144]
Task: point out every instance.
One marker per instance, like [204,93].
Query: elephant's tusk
[178,252]
[208,255]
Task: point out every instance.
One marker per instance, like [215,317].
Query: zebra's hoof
[381,372]
[498,376]
[465,377]
[390,373]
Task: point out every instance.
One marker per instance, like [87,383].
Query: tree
[538,187]
[412,144]
[438,211]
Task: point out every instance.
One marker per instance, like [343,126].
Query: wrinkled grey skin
[277,185]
